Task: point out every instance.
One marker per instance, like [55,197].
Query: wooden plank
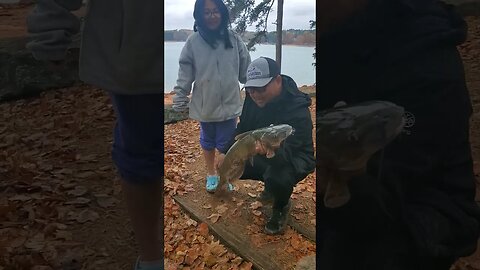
[308,232]
[238,243]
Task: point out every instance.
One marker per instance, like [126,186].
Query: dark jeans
[279,180]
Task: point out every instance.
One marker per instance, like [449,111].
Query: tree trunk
[279,34]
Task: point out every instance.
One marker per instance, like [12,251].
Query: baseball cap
[261,71]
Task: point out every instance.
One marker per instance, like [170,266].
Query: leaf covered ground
[60,200]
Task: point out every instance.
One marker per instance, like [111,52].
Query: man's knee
[284,178]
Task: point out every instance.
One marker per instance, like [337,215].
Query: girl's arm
[51,26]
[186,76]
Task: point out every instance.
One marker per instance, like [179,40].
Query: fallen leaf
[299,206]
[210,260]
[84,175]
[221,208]
[252,195]
[64,171]
[257,213]
[18,242]
[20,197]
[83,216]
[79,201]
[5,209]
[78,191]
[207,206]
[49,253]
[214,217]
[191,222]
[104,168]
[41,267]
[191,256]
[237,261]
[36,243]
[255,205]
[203,229]
[245,266]
[66,235]
[105,201]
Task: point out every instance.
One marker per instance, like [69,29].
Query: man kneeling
[273,98]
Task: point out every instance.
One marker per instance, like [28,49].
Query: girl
[215,59]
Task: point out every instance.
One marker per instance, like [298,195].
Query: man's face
[263,95]
[212,15]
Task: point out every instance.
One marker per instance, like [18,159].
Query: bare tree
[278,45]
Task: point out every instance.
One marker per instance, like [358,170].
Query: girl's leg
[207,142]
[209,161]
[138,155]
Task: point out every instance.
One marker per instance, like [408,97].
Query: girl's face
[211,15]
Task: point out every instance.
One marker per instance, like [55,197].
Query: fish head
[347,136]
[273,136]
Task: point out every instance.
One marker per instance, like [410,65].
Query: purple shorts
[138,137]
[217,134]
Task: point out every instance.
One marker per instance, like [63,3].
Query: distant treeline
[290,37]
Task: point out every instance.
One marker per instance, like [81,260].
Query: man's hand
[259,149]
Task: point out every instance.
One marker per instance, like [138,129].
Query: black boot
[279,219]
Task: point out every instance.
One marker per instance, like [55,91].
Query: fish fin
[337,193]
[242,135]
[340,104]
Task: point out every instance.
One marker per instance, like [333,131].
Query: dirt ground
[61,204]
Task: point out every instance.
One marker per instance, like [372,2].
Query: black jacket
[405,52]
[290,107]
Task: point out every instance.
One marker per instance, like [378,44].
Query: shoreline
[293,45]
[167,96]
[302,87]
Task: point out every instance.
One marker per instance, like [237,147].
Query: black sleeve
[295,144]
[427,183]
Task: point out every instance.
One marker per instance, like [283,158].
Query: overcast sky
[296,14]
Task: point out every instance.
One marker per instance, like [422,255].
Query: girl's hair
[209,35]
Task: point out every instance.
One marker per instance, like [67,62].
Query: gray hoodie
[216,73]
[121,47]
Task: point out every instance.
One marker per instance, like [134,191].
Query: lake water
[296,62]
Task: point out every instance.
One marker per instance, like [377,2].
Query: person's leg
[209,156]
[207,142]
[279,181]
[224,132]
[138,155]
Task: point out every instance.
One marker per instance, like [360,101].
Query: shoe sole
[282,229]
[213,190]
